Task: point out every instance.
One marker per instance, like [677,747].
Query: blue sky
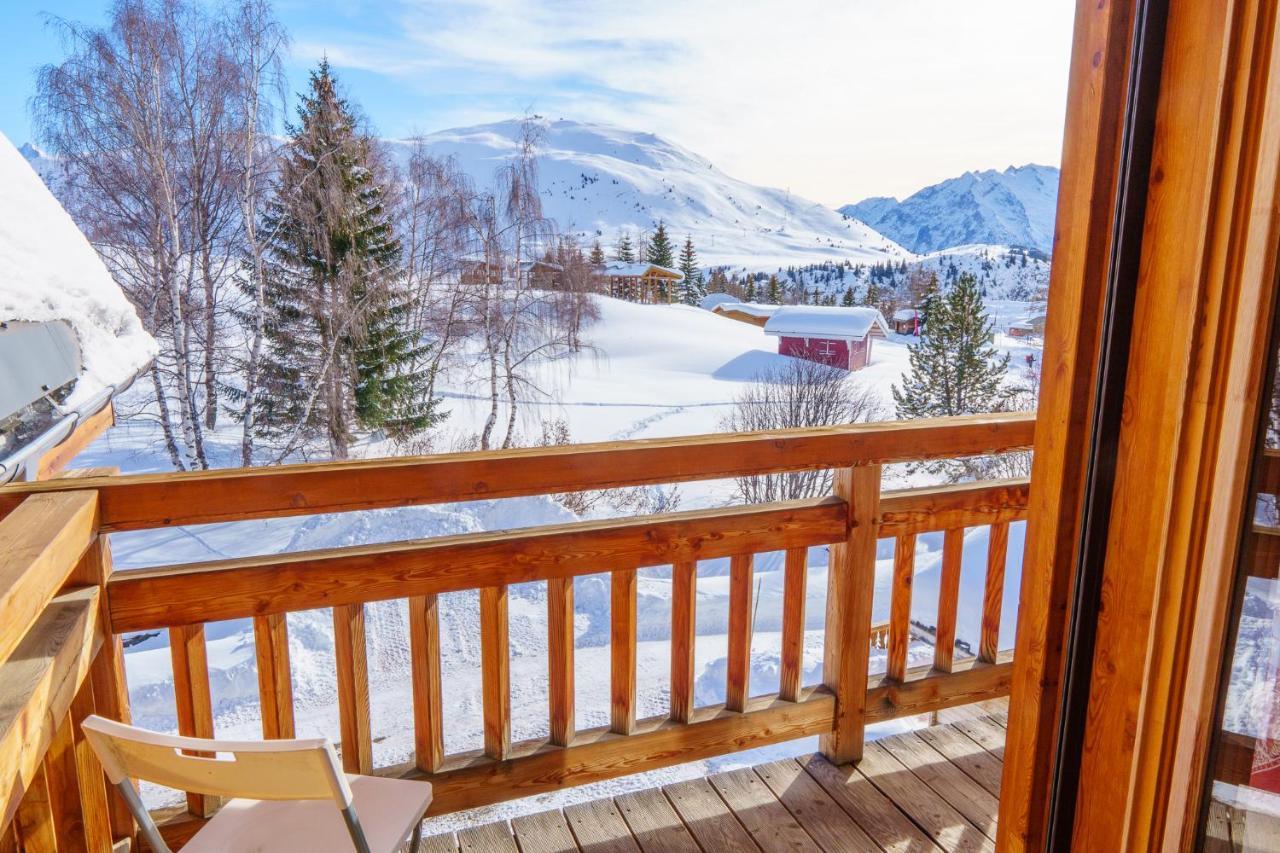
[833,100]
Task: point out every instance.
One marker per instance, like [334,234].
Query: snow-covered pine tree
[661,252]
[691,290]
[775,291]
[597,254]
[340,353]
[750,292]
[623,250]
[847,299]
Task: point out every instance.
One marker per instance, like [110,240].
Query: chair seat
[388,810]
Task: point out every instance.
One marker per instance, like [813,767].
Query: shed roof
[754,309]
[821,321]
[623,269]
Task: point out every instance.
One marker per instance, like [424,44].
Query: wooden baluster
[993,592]
[560,659]
[275,681]
[684,610]
[428,704]
[622,647]
[33,820]
[95,808]
[948,599]
[191,692]
[904,568]
[64,797]
[794,591]
[352,658]
[850,587]
[495,671]
[739,663]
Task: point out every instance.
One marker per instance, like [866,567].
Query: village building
[1027,327]
[642,282]
[907,321]
[746,312]
[539,274]
[713,300]
[840,337]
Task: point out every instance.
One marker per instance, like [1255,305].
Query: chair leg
[415,844]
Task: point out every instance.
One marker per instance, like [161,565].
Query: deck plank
[921,803]
[986,733]
[543,832]
[490,838]
[767,820]
[445,842]
[707,817]
[867,805]
[829,825]
[965,753]
[598,827]
[954,785]
[654,823]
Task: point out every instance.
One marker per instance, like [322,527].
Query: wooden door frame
[1203,302]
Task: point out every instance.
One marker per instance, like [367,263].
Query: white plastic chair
[290,794]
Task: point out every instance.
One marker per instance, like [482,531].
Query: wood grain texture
[158,500]
[711,822]
[654,824]
[904,571]
[111,699]
[351,658]
[954,505]
[189,655]
[560,637]
[948,599]
[543,832]
[866,804]
[767,821]
[961,792]
[599,827]
[428,703]
[91,783]
[927,808]
[622,651]
[850,589]
[34,821]
[684,597]
[55,459]
[993,592]
[495,671]
[738,669]
[275,680]
[823,819]
[42,541]
[233,589]
[794,593]
[63,791]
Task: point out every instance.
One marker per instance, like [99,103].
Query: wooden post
[275,684]
[495,671]
[352,659]
[904,568]
[428,705]
[34,818]
[795,588]
[850,588]
[737,686]
[95,808]
[622,647]
[684,594]
[948,599]
[993,593]
[560,660]
[191,693]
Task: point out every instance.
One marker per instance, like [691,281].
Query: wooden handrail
[237,494]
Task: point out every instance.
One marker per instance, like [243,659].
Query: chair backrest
[305,769]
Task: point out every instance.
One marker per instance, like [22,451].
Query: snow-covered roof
[821,321]
[754,309]
[48,271]
[906,314]
[711,300]
[624,269]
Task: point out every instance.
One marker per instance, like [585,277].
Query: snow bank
[48,271]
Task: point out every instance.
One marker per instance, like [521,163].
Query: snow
[753,309]
[904,314]
[623,269]
[711,300]
[824,321]
[48,271]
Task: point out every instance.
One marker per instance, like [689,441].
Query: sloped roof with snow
[754,309]
[48,271]
[624,269]
[906,314]
[711,300]
[821,321]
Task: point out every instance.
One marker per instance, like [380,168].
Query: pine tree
[597,254]
[340,353]
[955,368]
[751,289]
[623,250]
[775,290]
[847,299]
[691,288]
[661,252]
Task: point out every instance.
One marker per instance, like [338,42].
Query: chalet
[1027,327]
[840,337]
[712,300]
[906,321]
[746,312]
[540,274]
[640,282]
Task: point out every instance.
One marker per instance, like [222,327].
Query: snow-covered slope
[48,271]
[1014,207]
[597,179]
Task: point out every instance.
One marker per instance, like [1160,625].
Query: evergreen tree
[340,351]
[751,289]
[775,290]
[597,254]
[661,252]
[847,299]
[623,250]
[691,288]
[955,368]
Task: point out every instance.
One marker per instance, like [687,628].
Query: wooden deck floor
[931,789]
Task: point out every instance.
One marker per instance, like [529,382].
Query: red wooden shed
[840,337]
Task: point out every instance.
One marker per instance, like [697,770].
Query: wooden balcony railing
[61,604]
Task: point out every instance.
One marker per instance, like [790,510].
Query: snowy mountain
[597,179]
[1015,207]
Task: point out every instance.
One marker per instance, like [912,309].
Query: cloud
[836,100]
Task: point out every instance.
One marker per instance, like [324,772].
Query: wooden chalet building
[753,313]
[840,337]
[640,282]
[907,321]
[539,274]
[1083,659]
